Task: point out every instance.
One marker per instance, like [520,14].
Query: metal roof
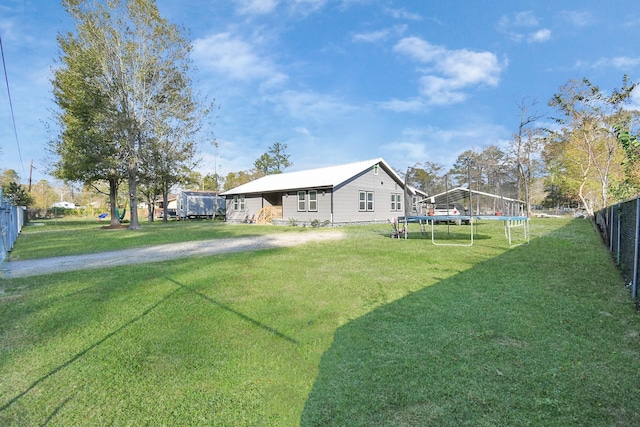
[458,194]
[326,177]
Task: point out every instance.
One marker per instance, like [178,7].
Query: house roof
[326,177]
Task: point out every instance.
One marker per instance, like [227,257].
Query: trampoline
[511,223]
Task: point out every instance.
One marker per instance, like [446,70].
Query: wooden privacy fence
[619,225]
[11,222]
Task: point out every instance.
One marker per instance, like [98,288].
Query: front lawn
[366,330]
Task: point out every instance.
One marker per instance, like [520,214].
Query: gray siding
[290,207]
[252,205]
[339,205]
[346,198]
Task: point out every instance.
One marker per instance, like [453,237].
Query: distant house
[63,205]
[363,192]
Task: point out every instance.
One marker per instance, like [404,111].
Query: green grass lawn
[48,238]
[362,331]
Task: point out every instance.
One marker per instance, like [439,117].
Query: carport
[477,202]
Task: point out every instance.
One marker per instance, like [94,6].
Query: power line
[13,117]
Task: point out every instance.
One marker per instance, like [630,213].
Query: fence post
[634,289]
[4,227]
[11,222]
[610,226]
[618,233]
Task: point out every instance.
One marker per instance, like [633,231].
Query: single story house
[369,191]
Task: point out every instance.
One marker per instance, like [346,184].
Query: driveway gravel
[26,268]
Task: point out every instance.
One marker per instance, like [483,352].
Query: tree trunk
[133,183]
[113,201]
[165,203]
[133,201]
[152,208]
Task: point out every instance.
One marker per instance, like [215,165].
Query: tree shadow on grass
[504,343]
[115,332]
[237,313]
[84,351]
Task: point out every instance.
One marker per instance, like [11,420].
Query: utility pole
[31,174]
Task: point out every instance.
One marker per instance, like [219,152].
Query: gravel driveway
[26,268]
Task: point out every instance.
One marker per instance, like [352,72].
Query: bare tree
[141,70]
[525,149]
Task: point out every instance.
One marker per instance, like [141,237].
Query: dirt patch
[139,255]
[114,227]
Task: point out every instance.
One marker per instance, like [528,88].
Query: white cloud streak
[539,36]
[519,27]
[624,63]
[577,18]
[256,7]
[235,59]
[381,35]
[450,72]
[403,14]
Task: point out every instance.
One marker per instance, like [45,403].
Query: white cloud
[450,72]
[539,36]
[624,63]
[235,59]
[403,14]
[406,149]
[372,37]
[256,7]
[634,104]
[376,36]
[418,49]
[305,7]
[311,106]
[7,29]
[264,7]
[412,105]
[440,91]
[577,19]
[519,20]
[517,27]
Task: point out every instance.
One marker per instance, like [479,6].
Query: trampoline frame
[510,222]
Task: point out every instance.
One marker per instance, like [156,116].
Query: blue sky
[346,80]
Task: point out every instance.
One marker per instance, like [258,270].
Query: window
[313,201]
[365,201]
[238,203]
[396,201]
[302,201]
